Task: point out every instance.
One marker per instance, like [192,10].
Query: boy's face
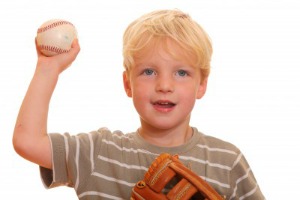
[164,89]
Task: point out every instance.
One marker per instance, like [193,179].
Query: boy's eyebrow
[144,66]
[143,62]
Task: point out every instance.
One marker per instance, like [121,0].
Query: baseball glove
[168,171]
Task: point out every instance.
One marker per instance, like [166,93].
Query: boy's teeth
[164,103]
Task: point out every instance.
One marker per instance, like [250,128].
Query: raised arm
[30,138]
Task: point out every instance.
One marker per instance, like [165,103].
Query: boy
[167,62]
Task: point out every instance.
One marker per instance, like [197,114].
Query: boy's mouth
[164,104]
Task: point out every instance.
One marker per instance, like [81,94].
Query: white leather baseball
[55,36]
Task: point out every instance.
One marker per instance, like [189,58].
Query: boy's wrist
[47,70]
[46,77]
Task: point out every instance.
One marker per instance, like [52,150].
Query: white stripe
[113,179]
[122,164]
[121,135]
[53,168]
[91,152]
[249,193]
[212,165]
[238,181]
[94,193]
[206,162]
[77,162]
[127,149]
[66,146]
[243,177]
[66,158]
[237,160]
[216,149]
[215,182]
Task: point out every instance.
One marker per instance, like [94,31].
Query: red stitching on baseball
[53,49]
[53,25]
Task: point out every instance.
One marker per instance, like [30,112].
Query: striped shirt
[106,165]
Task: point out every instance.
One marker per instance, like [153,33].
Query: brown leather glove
[166,169]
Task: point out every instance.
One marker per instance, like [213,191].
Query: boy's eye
[181,73]
[148,72]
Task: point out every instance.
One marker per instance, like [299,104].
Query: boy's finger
[75,48]
[65,59]
[37,48]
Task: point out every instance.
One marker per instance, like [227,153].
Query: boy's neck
[166,138]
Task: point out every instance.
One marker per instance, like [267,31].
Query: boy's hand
[57,63]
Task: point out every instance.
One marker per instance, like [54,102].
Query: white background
[252,100]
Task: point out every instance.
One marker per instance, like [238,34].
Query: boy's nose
[165,84]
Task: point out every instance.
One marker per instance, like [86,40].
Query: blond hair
[164,24]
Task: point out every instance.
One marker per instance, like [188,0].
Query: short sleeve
[243,182]
[58,176]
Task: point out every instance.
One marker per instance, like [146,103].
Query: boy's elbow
[22,142]
[32,147]
[19,143]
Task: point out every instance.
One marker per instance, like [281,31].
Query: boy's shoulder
[105,133]
[215,143]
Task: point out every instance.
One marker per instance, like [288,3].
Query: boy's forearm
[31,126]
[34,110]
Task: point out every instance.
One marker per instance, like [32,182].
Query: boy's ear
[126,83]
[202,89]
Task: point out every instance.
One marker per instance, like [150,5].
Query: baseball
[55,37]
